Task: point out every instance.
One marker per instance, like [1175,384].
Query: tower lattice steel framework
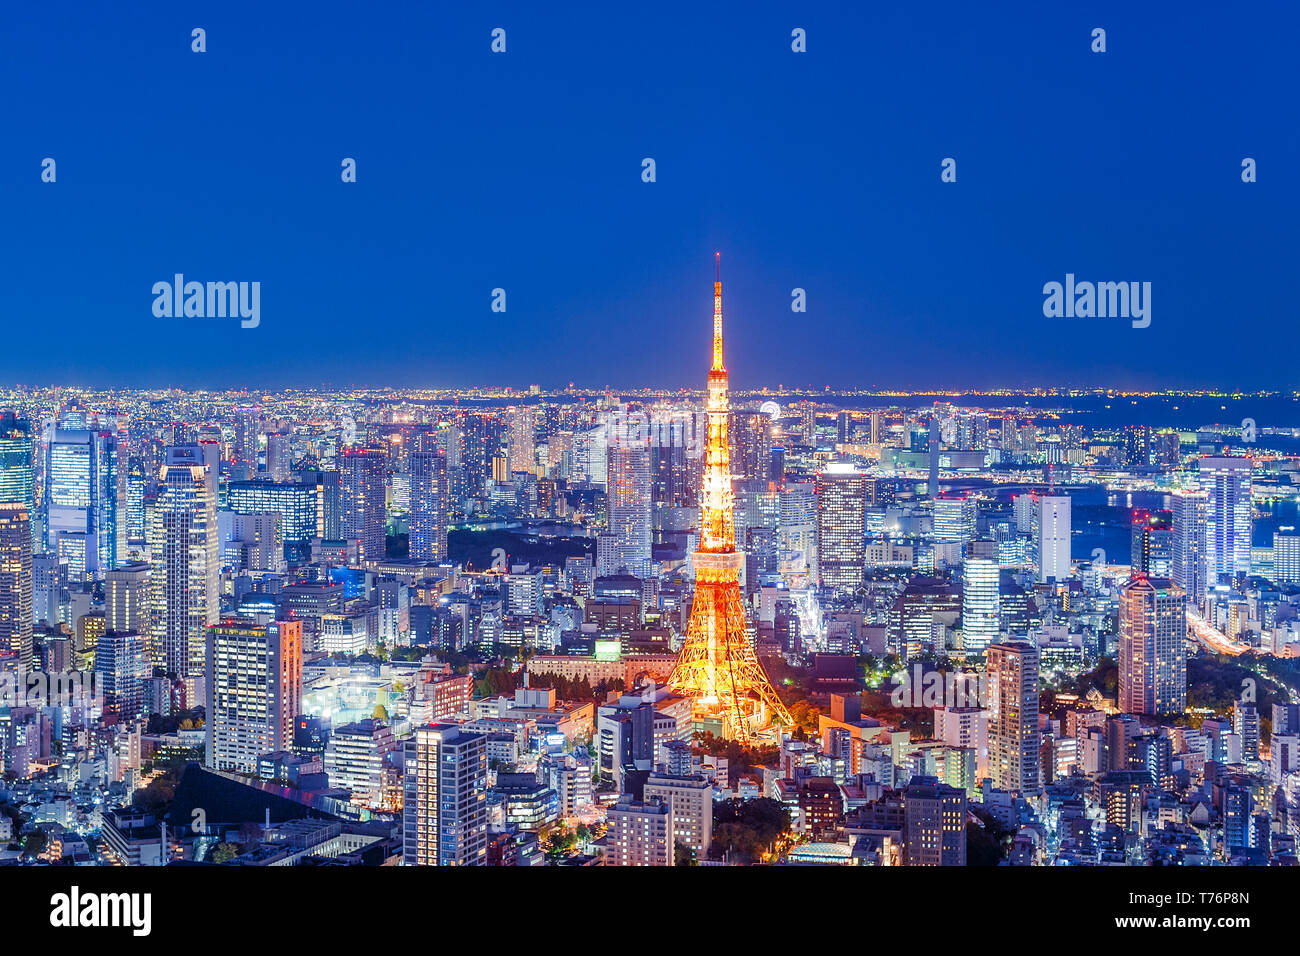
[717,667]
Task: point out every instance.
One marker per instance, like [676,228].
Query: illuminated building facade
[296,504]
[185,551]
[17,478]
[255,694]
[444,810]
[522,443]
[121,670]
[1152,547]
[981,614]
[83,499]
[16,582]
[362,494]
[1152,647]
[954,519]
[841,526]
[689,799]
[639,834]
[429,506]
[126,599]
[356,759]
[934,823]
[1190,511]
[1013,715]
[1228,524]
[629,494]
[1053,539]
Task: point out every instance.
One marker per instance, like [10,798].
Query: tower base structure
[717,666]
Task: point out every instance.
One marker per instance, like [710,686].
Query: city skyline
[301,579]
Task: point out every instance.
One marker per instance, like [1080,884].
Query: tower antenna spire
[717,316]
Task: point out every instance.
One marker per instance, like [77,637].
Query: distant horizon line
[503,390]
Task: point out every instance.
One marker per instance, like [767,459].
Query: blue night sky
[523,171]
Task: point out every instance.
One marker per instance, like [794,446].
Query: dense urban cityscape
[770,442]
[523,627]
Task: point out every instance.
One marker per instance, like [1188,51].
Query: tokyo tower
[717,667]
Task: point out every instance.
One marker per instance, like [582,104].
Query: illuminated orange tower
[717,667]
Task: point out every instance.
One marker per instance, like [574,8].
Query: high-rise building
[49,577]
[973,430]
[137,485]
[932,483]
[279,463]
[326,488]
[1152,551]
[16,582]
[184,548]
[298,503]
[444,811]
[1286,718]
[690,803]
[251,542]
[758,519]
[84,491]
[501,468]
[751,444]
[522,440]
[126,599]
[639,834]
[954,519]
[17,479]
[843,428]
[357,758]
[629,506]
[1152,647]
[981,610]
[362,498]
[88,629]
[673,437]
[841,526]
[430,502]
[121,669]
[1053,538]
[248,426]
[808,418]
[923,604]
[717,667]
[797,526]
[624,739]
[1286,557]
[758,506]
[1228,517]
[1013,740]
[1245,724]
[962,727]
[1190,513]
[934,823]
[254,693]
[591,455]
[1137,447]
